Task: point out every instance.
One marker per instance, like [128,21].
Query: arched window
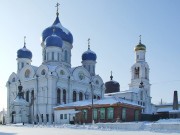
[52,56]
[65,56]
[98,97]
[94,96]
[37,117]
[44,55]
[32,96]
[27,96]
[43,72]
[58,96]
[86,94]
[136,72]
[64,96]
[80,96]
[13,80]
[27,73]
[146,73]
[74,96]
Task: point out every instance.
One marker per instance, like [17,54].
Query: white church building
[33,91]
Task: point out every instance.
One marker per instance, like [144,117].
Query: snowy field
[162,127]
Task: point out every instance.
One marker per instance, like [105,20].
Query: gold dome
[140,47]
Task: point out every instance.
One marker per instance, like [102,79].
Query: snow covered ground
[160,127]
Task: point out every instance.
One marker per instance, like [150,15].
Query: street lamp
[92,104]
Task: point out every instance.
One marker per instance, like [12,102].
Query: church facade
[54,82]
[33,92]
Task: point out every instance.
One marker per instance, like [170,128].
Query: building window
[80,96]
[44,54]
[137,56]
[74,96]
[48,56]
[47,117]
[22,65]
[61,116]
[146,73]
[43,72]
[84,114]
[95,114]
[141,95]
[58,96]
[32,96]
[136,72]
[13,80]
[27,96]
[65,56]
[123,114]
[37,117]
[136,115]
[42,118]
[27,73]
[110,112]
[65,116]
[102,113]
[64,96]
[86,94]
[94,96]
[52,56]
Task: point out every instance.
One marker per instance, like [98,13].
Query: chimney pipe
[175,101]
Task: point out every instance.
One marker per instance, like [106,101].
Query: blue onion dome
[60,31]
[24,52]
[89,55]
[53,40]
[140,46]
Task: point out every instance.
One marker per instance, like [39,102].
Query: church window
[80,96]
[48,56]
[61,116]
[58,96]
[94,96]
[146,73]
[44,55]
[58,57]
[32,96]
[53,117]
[81,75]
[13,80]
[43,72]
[27,96]
[102,113]
[52,56]
[89,67]
[62,72]
[65,116]
[42,118]
[86,94]
[136,71]
[27,73]
[137,56]
[74,96]
[110,112]
[123,114]
[22,65]
[64,96]
[95,114]
[98,97]
[47,117]
[65,55]
[97,82]
[37,117]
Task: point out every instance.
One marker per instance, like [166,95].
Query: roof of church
[60,31]
[24,53]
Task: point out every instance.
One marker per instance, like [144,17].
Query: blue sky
[114,27]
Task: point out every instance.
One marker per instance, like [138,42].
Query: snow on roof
[105,101]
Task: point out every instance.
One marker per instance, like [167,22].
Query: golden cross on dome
[88,43]
[57,5]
